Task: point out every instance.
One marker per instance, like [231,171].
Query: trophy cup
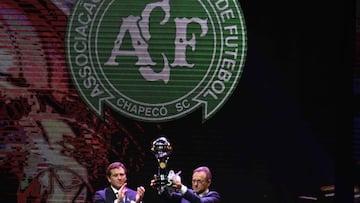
[162,149]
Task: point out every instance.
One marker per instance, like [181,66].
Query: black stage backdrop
[284,133]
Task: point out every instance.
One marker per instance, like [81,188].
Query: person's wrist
[118,200]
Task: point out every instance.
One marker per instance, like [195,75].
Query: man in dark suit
[117,192]
[200,192]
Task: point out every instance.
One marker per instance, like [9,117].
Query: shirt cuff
[183,189]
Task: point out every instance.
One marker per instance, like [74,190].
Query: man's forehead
[200,174]
[118,170]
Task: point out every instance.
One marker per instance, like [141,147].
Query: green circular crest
[156,61]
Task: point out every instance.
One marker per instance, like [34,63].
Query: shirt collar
[114,189]
[204,193]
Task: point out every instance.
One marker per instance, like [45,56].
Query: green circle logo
[156,61]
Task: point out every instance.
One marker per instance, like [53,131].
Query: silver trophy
[162,149]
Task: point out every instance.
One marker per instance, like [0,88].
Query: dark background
[285,132]
[287,129]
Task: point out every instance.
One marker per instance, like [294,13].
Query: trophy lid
[161,148]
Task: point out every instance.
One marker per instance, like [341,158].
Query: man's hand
[153,182]
[176,181]
[140,194]
[157,182]
[121,193]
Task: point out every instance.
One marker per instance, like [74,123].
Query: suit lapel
[110,195]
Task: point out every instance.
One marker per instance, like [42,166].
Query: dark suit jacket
[191,197]
[107,195]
